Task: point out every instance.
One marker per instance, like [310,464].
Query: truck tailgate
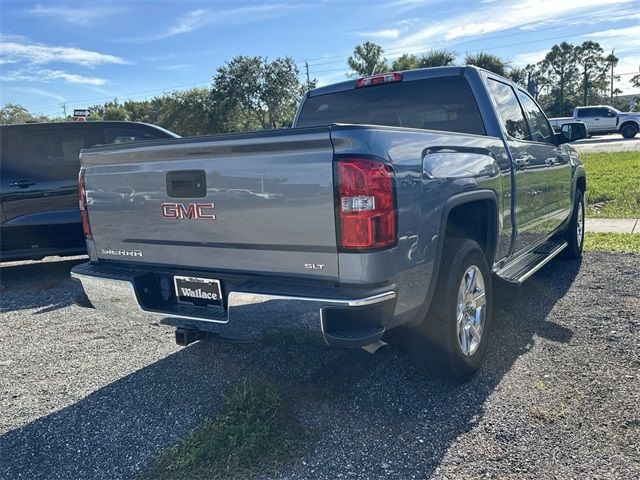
[266,205]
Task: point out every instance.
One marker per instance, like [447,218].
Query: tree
[593,67]
[186,112]
[436,58]
[560,68]
[518,75]
[13,113]
[405,62]
[281,91]
[367,59]
[612,61]
[488,61]
[115,113]
[635,81]
[251,93]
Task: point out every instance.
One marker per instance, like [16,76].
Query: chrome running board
[529,263]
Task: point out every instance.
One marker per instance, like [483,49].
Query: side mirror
[570,132]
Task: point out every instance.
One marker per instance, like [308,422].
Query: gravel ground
[88,396]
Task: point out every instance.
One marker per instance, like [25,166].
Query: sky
[76,54]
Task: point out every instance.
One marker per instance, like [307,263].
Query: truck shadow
[44,285]
[357,402]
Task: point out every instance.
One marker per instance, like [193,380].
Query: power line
[444,42]
[423,49]
[51,108]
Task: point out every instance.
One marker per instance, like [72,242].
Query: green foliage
[404,62]
[115,113]
[518,75]
[255,434]
[612,242]
[613,184]
[186,112]
[436,58]
[593,68]
[367,59]
[251,93]
[488,61]
[560,69]
[571,75]
[13,113]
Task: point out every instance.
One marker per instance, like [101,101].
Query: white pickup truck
[602,119]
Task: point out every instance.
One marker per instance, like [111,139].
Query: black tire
[573,236]
[629,130]
[434,345]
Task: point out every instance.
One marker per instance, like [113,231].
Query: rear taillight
[365,204]
[82,202]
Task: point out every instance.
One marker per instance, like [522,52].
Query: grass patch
[613,184]
[256,434]
[614,242]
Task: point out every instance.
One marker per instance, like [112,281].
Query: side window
[538,124]
[587,112]
[509,109]
[601,112]
[126,135]
[610,113]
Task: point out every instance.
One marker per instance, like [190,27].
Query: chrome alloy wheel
[580,223]
[471,311]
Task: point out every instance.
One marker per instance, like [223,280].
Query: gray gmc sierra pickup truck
[392,202]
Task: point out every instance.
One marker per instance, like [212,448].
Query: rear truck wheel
[629,130]
[574,234]
[452,340]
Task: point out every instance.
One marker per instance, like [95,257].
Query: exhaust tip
[375,347]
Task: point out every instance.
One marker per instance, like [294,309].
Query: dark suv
[39,213]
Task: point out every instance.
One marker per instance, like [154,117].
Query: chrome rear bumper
[251,315]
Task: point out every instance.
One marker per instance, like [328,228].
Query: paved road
[608,143]
[86,396]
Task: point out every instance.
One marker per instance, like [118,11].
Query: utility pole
[612,57]
[64,109]
[586,85]
[306,66]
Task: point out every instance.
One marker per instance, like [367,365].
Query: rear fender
[451,203]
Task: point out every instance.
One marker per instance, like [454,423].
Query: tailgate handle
[186,184]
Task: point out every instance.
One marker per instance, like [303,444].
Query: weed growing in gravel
[539,384]
[256,434]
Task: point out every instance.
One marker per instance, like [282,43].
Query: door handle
[521,163]
[22,183]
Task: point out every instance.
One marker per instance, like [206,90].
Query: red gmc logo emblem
[194,211]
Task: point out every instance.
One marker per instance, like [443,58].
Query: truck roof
[407,75]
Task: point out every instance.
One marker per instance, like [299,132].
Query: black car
[39,214]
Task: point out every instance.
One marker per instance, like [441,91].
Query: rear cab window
[50,153]
[117,135]
[444,103]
